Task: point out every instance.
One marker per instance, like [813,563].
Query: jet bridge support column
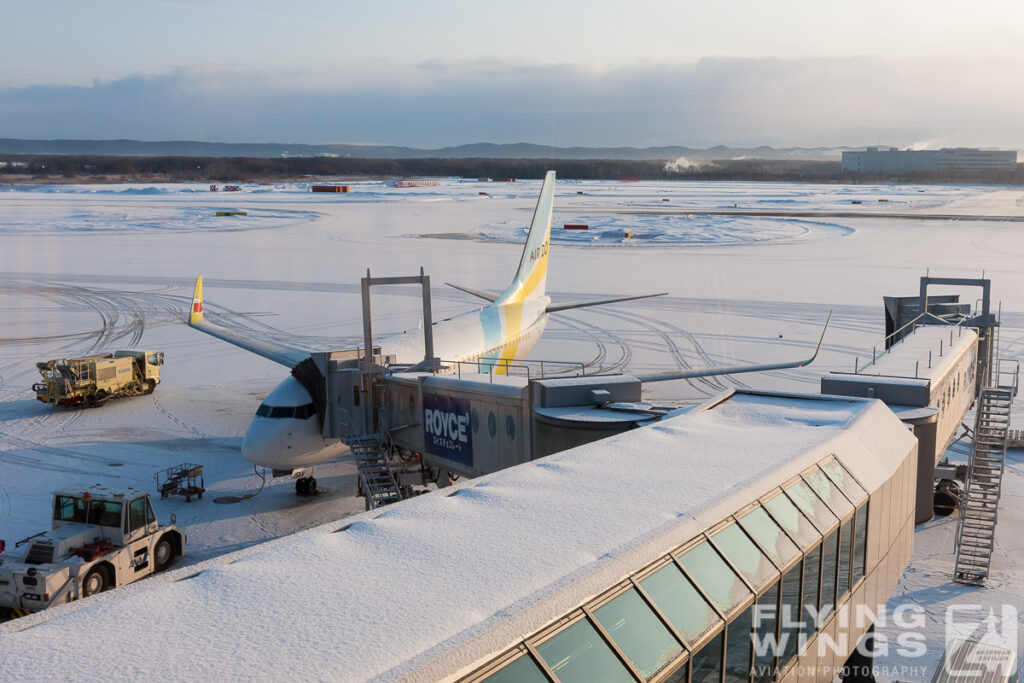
[366,366]
[984,321]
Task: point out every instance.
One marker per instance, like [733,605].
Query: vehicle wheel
[188,499]
[100,398]
[302,486]
[95,582]
[163,554]
[311,486]
[150,387]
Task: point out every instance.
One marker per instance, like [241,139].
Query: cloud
[807,102]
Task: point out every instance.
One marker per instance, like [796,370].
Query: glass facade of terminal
[732,604]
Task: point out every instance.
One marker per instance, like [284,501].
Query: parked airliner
[284,437]
[283,434]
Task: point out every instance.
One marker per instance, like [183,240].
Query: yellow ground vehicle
[93,380]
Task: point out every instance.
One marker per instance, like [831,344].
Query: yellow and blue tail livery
[532,275]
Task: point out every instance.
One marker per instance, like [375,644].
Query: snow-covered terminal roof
[640,556]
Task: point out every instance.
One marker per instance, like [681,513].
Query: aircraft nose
[262,443]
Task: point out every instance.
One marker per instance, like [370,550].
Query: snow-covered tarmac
[94,268]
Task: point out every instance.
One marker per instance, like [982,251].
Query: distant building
[892,160]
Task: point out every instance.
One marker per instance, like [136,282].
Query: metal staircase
[978,511]
[376,480]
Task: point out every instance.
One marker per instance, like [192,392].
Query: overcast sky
[595,73]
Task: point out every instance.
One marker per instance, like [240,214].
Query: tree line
[83,168]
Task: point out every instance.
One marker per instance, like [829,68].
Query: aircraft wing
[288,356]
[554,308]
[733,369]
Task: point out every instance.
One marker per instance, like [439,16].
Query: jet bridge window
[844,480]
[679,601]
[738,646]
[638,633]
[521,670]
[845,552]
[744,555]
[860,543]
[763,529]
[766,626]
[579,655]
[829,566]
[828,492]
[812,576]
[790,615]
[811,505]
[706,665]
[712,574]
[792,520]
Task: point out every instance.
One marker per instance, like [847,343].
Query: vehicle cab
[119,518]
[149,363]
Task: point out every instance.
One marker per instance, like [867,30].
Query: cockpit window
[303,412]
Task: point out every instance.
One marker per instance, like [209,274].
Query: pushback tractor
[98,540]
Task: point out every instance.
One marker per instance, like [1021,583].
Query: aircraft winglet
[735,369]
[196,314]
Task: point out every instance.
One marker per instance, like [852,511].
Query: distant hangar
[892,160]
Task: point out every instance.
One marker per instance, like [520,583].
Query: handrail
[873,350]
[494,365]
[1013,373]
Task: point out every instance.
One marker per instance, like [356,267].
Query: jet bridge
[469,418]
[936,359]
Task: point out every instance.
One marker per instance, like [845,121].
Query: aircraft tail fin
[196,314]
[531,278]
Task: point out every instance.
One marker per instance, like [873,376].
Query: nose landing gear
[305,486]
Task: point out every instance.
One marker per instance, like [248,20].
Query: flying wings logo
[447,428]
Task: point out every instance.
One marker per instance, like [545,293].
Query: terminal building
[890,160]
[676,552]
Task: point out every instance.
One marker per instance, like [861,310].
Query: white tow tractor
[99,540]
